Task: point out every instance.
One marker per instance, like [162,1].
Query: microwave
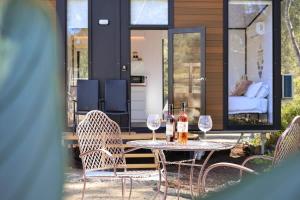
[138,79]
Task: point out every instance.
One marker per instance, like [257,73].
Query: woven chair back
[98,131]
[288,142]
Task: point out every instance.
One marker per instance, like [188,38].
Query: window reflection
[149,12]
[187,73]
[77,50]
[250,75]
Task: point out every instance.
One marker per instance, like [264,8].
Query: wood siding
[209,13]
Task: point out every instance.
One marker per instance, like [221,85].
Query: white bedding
[242,104]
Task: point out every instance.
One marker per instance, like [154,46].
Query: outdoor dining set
[103,155]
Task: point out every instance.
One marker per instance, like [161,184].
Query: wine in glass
[205,123]
[153,123]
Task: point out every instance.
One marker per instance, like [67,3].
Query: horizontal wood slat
[138,157]
[141,166]
[209,13]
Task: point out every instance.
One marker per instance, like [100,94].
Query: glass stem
[153,135]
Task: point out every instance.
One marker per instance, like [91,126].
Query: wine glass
[153,123]
[205,123]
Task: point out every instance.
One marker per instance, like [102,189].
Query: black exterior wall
[109,48]
[61,22]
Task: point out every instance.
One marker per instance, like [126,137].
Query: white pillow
[253,89]
[263,91]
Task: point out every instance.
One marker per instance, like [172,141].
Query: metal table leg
[192,174]
[164,170]
[200,188]
[159,155]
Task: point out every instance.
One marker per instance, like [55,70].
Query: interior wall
[208,13]
[150,50]
[236,57]
[253,43]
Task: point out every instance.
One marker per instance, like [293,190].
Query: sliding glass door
[187,71]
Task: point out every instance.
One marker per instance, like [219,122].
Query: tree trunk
[290,28]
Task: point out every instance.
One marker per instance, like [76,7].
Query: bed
[243,104]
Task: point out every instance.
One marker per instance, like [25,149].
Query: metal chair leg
[123,188]
[158,186]
[178,179]
[83,190]
[130,189]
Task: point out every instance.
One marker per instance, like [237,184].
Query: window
[77,50]
[287,86]
[149,12]
[250,63]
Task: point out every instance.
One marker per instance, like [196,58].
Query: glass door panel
[77,50]
[187,69]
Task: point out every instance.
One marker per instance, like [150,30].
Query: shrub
[289,110]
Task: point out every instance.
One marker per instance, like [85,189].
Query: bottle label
[182,127]
[169,129]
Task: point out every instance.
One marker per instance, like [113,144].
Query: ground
[143,190]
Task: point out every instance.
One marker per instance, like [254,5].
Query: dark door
[109,43]
[105,40]
[187,71]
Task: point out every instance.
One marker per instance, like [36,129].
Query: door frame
[202,31]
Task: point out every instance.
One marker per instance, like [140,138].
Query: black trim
[90,34]
[171,14]
[163,72]
[202,31]
[125,53]
[61,9]
[225,63]
[246,53]
[149,27]
[276,72]
[260,12]
[236,28]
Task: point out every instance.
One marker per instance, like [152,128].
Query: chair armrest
[132,149]
[255,157]
[224,164]
[101,151]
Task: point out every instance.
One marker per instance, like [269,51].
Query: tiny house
[221,57]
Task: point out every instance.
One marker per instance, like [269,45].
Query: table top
[69,136]
[175,146]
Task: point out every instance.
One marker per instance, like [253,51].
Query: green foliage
[289,110]
[288,57]
[256,141]
[289,64]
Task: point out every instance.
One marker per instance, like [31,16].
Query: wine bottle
[170,125]
[182,125]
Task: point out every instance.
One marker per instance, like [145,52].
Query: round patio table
[159,146]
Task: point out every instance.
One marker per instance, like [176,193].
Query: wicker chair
[102,152]
[287,144]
